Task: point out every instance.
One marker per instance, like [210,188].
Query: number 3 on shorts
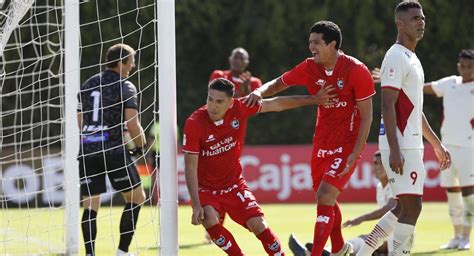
[247,194]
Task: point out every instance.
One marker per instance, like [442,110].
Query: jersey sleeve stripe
[362,99]
[391,87]
[191,152]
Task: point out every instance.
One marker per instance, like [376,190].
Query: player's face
[412,23]
[217,104]
[378,168]
[319,49]
[238,62]
[466,69]
[127,67]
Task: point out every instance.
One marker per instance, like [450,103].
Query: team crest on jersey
[340,83]
[235,124]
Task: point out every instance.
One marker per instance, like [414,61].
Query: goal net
[39,174]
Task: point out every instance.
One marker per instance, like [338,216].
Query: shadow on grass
[184,246]
[436,252]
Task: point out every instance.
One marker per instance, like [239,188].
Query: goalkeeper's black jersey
[102,100]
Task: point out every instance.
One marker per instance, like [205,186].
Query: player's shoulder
[219,73]
[452,80]
[399,54]
[198,116]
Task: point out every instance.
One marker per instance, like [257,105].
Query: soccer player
[457,133]
[401,133]
[238,74]
[108,104]
[212,147]
[342,126]
[385,201]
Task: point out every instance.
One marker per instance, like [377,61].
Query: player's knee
[257,225]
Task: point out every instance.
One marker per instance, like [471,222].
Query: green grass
[433,229]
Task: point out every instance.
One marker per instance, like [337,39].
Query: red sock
[322,228]
[337,241]
[224,239]
[270,242]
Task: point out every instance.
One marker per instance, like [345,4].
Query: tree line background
[275,33]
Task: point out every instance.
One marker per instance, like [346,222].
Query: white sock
[356,243]
[120,252]
[379,234]
[468,210]
[456,208]
[403,237]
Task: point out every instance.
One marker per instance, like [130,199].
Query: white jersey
[401,70]
[383,194]
[458,103]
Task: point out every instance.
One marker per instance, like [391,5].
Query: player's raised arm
[268,89]
[281,103]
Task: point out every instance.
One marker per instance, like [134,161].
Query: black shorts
[120,169]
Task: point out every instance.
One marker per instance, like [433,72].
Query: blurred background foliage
[275,33]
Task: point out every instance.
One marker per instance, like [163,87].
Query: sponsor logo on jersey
[336,103]
[235,124]
[340,83]
[220,147]
[210,138]
[322,218]
[320,82]
[328,152]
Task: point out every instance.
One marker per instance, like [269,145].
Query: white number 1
[95,112]
[247,194]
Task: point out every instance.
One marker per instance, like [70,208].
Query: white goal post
[48,48]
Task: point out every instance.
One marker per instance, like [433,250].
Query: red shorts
[327,163]
[237,201]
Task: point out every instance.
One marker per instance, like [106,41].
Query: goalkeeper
[107,107]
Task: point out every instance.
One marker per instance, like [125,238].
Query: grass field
[433,229]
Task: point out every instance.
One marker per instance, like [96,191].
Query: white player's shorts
[461,172]
[413,178]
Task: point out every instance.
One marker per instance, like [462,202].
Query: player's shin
[379,234]
[337,241]
[270,243]
[224,239]
[89,230]
[322,228]
[128,223]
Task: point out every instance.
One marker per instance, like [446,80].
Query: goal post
[167,107]
[71,131]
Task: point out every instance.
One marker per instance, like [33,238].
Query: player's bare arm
[428,89]
[389,98]
[268,89]
[134,127]
[365,109]
[79,120]
[441,152]
[190,170]
[373,215]
[281,103]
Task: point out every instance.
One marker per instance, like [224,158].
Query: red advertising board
[282,174]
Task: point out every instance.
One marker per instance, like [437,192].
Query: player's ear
[231,103]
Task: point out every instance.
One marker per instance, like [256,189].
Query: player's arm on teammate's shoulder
[444,157]
[268,89]
[281,103]
[190,171]
[134,127]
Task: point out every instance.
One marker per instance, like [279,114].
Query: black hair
[223,85]
[377,154]
[404,6]
[466,54]
[330,30]
[118,52]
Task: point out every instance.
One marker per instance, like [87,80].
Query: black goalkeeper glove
[138,151]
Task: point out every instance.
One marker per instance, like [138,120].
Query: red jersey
[338,122]
[218,144]
[254,82]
